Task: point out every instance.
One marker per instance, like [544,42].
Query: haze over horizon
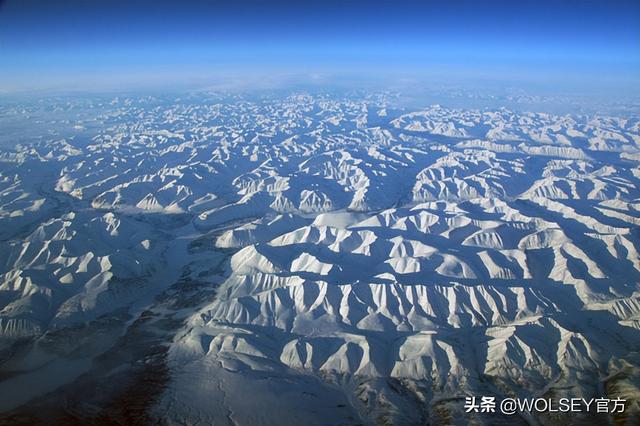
[557,46]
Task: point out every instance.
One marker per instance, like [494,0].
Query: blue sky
[70,44]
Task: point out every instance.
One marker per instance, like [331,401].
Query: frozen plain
[315,259]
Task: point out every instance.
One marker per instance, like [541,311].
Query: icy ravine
[49,371]
[374,273]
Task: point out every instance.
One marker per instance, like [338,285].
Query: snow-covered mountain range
[316,259]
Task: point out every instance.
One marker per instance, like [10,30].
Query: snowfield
[317,259]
